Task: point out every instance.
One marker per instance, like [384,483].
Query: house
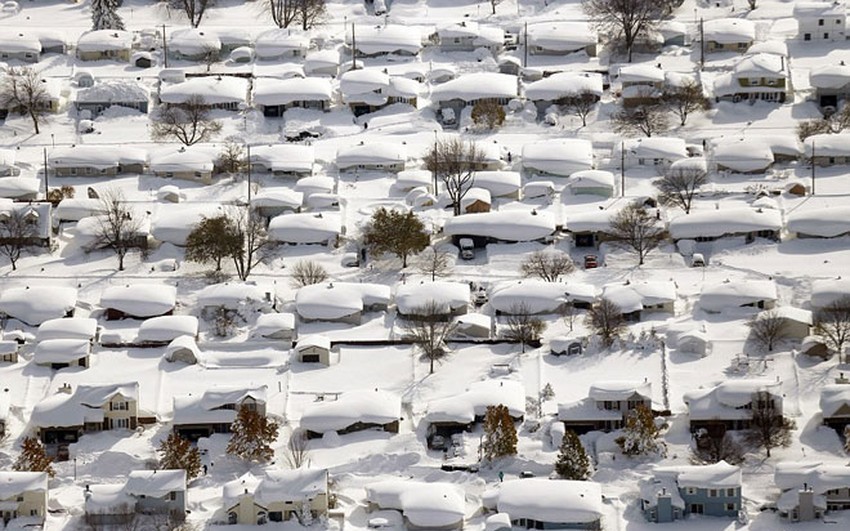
[676,492]
[281,43]
[138,301]
[37,216]
[559,37]
[405,91]
[507,184]
[729,405]
[283,160]
[352,411]
[785,147]
[323,228]
[641,84]
[453,96]
[105,94]
[606,406]
[592,182]
[341,301]
[364,90]
[472,326]
[229,93]
[8,354]
[711,225]
[94,161]
[20,46]
[274,96]
[376,41]
[193,44]
[23,498]
[20,188]
[505,226]
[560,88]
[270,203]
[821,222]
[539,503]
[246,298]
[322,63]
[811,490]
[183,349]
[693,342]
[68,328]
[62,353]
[160,331]
[449,299]
[423,505]
[77,208]
[232,39]
[827,149]
[476,200]
[469,36]
[717,297]
[34,305]
[8,157]
[657,152]
[829,291]
[276,326]
[193,163]
[590,228]
[634,298]
[313,349]
[821,21]
[557,157]
[107,44]
[796,322]
[835,406]
[815,346]
[5,402]
[149,492]
[374,156]
[728,34]
[214,410]
[760,76]
[538,297]
[744,155]
[277,496]
[72,412]
[831,83]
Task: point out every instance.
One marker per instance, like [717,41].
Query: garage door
[310,358]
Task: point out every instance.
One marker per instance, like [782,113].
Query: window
[118,406]
[172,495]
[20,498]
[696,508]
[712,493]
[121,423]
[690,490]
[232,518]
[730,492]
[33,512]
[612,405]
[743,45]
[826,35]
[820,22]
[731,507]
[807,36]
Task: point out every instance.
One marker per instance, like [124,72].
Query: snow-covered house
[306,228]
[214,410]
[655,151]
[728,34]
[39,216]
[592,182]
[182,349]
[364,90]
[173,224]
[539,297]
[711,225]
[796,323]
[104,94]
[62,353]
[86,161]
[729,405]
[499,183]
[314,348]
[160,331]
[539,503]
[281,43]
[340,301]
[351,412]
[717,297]
[150,492]
[469,36]
[322,63]
[376,41]
[453,96]
[811,489]
[20,46]
[105,44]
[606,406]
[193,163]
[831,84]
[761,76]
[270,203]
[8,354]
[23,498]
[70,413]
[274,96]
[828,150]
[34,305]
[559,37]
[476,200]
[676,492]
[277,496]
[193,44]
[424,505]
[283,160]
[557,157]
[138,301]
[276,326]
[821,21]
[68,328]
[750,155]
[506,226]
[835,406]
[828,291]
[633,298]
[20,188]
[450,299]
[374,156]
[641,83]
[215,92]
[558,88]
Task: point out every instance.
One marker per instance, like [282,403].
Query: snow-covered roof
[804,10]
[463,408]
[789,313]
[184,159]
[724,295]
[271,323]
[181,344]
[84,404]
[564,84]
[826,145]
[155,483]
[505,225]
[498,183]
[657,147]
[557,501]
[173,223]
[835,400]
[278,198]
[67,328]
[640,73]
[363,82]
[362,406]
[447,296]
[475,194]
[592,179]
[18,42]
[320,59]
[140,300]
[285,157]
[430,505]
[105,40]
[829,76]
[305,228]
[286,485]
[586,409]
[827,291]
[328,301]
[77,208]
[168,327]
[590,221]
[562,156]
[388,39]
[726,400]
[313,341]
[719,475]
[193,41]
[110,498]
[232,294]
[823,222]
[476,86]
[14,483]
[371,153]
[717,223]
[209,406]
[409,179]
[113,91]
[820,477]
[481,35]
[559,35]
[775,47]
[61,350]
[15,187]
[271,91]
[619,390]
[729,30]
[34,305]
[743,155]
[766,65]
[538,296]
[278,41]
[95,157]
[213,89]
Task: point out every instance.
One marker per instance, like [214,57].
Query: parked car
[697,260]
[467,248]
[590,261]
[479,297]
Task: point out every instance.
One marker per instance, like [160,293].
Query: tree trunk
[120,261]
[34,122]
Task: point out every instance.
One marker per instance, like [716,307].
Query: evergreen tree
[178,453]
[573,462]
[640,434]
[33,457]
[253,435]
[104,15]
[500,438]
[400,233]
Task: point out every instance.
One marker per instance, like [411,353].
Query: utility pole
[164,48]
[525,46]
[46,178]
[813,167]
[701,45]
[353,48]
[435,162]
[248,151]
[622,169]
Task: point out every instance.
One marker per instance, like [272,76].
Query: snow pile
[368,407]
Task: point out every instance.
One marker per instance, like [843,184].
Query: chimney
[66,388]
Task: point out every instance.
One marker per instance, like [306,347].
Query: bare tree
[430,331]
[232,158]
[769,428]
[833,323]
[606,320]
[24,91]
[685,99]
[250,233]
[454,162]
[752,4]
[767,328]
[523,327]
[493,4]
[637,231]
[489,114]
[647,119]
[581,104]
[680,185]
[297,453]
[188,123]
[17,232]
[282,12]
[119,226]
[547,265]
[307,272]
[434,262]
[709,450]
[193,9]
[623,20]
[309,13]
[210,55]
[816,126]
